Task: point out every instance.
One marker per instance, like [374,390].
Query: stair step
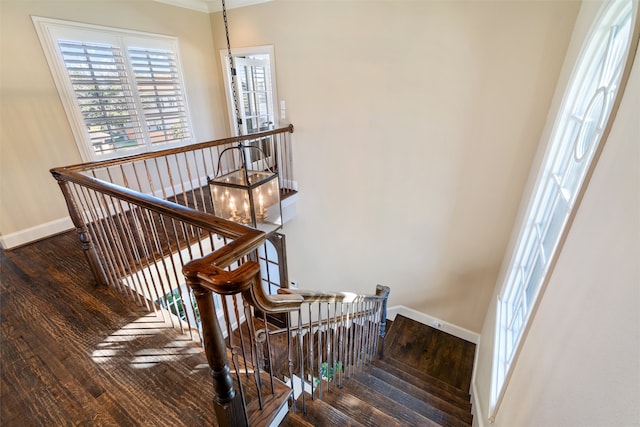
[423,376]
[400,397]
[419,393]
[425,382]
[295,420]
[320,414]
[431,351]
[271,402]
[389,406]
[367,413]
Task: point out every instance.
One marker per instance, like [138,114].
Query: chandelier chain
[234,77]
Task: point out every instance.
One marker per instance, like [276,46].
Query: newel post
[383,291]
[83,233]
[227,403]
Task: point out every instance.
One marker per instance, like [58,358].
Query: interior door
[254,85]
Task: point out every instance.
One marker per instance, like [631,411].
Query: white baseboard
[38,232]
[476,409]
[456,331]
[434,322]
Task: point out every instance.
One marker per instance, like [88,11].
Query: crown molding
[216,5]
[210,6]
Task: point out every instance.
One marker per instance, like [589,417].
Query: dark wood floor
[76,354]
[73,353]
[432,352]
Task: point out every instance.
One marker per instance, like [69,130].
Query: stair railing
[328,336]
[141,218]
[146,227]
[336,335]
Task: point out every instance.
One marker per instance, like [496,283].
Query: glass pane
[256,98]
[555,226]
[252,125]
[103,94]
[160,93]
[591,126]
[533,284]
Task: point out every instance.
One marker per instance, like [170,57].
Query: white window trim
[503,369]
[226,74]
[47,28]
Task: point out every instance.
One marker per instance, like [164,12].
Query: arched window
[581,125]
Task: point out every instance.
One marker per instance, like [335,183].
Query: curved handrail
[244,279]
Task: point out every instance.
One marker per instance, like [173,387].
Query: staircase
[170,252]
[421,381]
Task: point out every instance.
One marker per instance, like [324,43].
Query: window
[580,125]
[254,86]
[122,90]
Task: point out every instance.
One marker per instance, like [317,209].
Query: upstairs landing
[72,353]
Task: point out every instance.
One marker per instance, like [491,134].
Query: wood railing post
[384,292]
[227,403]
[83,233]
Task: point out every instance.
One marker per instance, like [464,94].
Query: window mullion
[133,84]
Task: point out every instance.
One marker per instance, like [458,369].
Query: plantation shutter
[104,95]
[122,90]
[155,72]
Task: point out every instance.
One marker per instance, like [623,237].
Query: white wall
[35,135]
[416,123]
[580,362]
[415,126]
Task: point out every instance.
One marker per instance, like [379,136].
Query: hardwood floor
[72,353]
[432,352]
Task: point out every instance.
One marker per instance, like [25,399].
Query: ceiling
[211,5]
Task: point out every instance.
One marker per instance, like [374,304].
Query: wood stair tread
[367,413]
[295,420]
[431,351]
[421,394]
[424,381]
[401,389]
[401,397]
[321,414]
[404,415]
[272,402]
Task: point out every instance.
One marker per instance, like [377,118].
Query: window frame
[513,306]
[51,30]
[267,50]
[264,158]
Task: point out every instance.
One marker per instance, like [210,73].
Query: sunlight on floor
[148,342]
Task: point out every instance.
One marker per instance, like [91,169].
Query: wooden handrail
[229,270]
[245,239]
[240,280]
[204,278]
[327,297]
[382,294]
[170,151]
[203,275]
